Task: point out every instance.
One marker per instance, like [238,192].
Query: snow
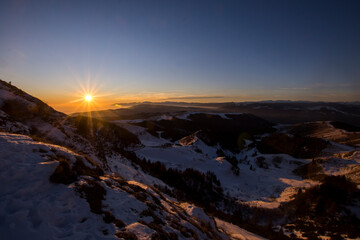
[344,163]
[145,138]
[7,95]
[197,213]
[336,136]
[186,115]
[259,186]
[262,107]
[123,205]
[316,108]
[141,231]
[286,195]
[235,232]
[263,187]
[7,125]
[123,167]
[31,207]
[50,131]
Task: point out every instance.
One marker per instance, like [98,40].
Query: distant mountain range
[286,112]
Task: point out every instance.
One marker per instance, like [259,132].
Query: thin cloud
[295,88]
[193,97]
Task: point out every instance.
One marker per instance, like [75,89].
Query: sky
[190,51]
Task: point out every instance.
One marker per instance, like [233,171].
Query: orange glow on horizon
[86,96]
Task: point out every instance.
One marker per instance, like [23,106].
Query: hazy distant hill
[274,111]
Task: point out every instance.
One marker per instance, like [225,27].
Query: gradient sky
[192,51]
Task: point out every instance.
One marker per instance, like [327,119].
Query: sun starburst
[88,97]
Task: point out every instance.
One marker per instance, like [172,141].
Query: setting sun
[88,98]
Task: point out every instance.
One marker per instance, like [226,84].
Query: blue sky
[159,50]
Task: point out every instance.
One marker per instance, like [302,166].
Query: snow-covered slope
[235,232]
[261,180]
[253,182]
[265,186]
[325,130]
[33,207]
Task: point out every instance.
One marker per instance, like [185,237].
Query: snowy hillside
[268,172]
[51,192]
[33,206]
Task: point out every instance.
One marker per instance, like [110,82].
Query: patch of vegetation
[104,136]
[298,147]
[149,212]
[93,128]
[20,110]
[183,230]
[126,235]
[63,173]
[201,188]
[16,109]
[94,193]
[232,160]
[108,217]
[160,233]
[119,223]
[323,209]
[312,170]
[205,191]
[229,133]
[261,163]
[81,169]
[276,161]
[345,126]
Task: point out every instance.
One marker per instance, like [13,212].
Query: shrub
[94,193]
[81,169]
[17,109]
[261,163]
[311,170]
[63,173]
[108,217]
[277,161]
[119,223]
[126,235]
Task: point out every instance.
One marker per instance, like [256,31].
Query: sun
[88,97]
